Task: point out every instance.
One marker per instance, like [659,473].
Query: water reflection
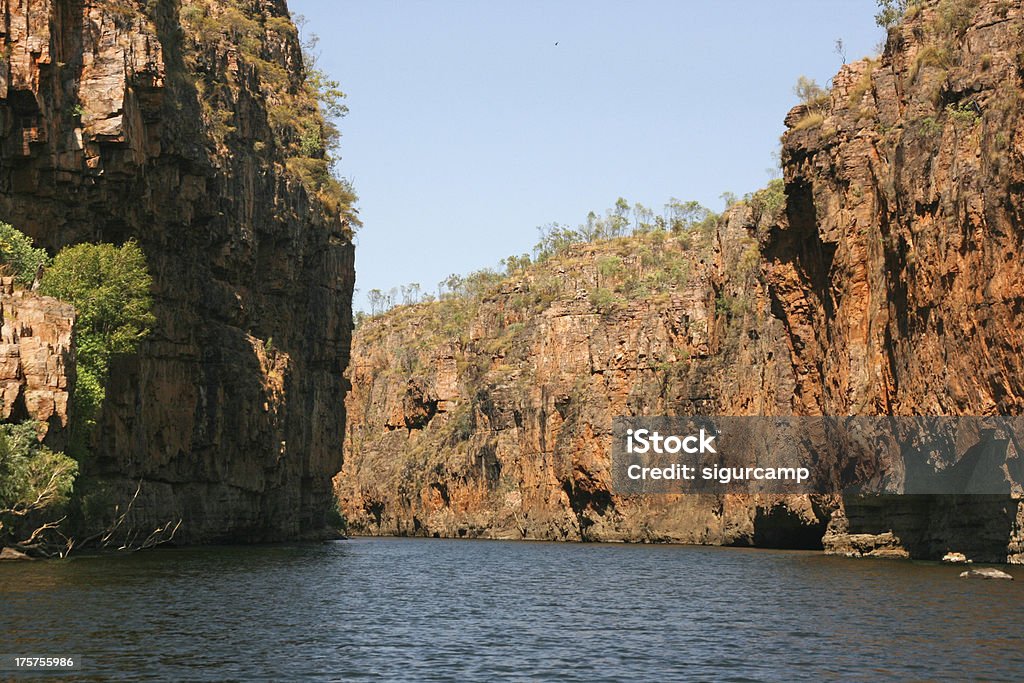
[465,610]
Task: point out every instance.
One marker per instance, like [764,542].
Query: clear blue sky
[469,127]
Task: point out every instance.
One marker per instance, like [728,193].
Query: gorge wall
[493,416]
[886,281]
[175,123]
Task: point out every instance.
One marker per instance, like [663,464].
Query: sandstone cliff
[492,416]
[172,123]
[896,272]
[36,360]
[887,283]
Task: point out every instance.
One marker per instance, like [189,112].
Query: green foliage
[27,468]
[935,55]
[604,300]
[863,84]
[336,519]
[555,239]
[815,98]
[18,256]
[109,288]
[964,113]
[35,482]
[954,16]
[685,215]
[86,401]
[890,12]
[609,266]
[769,200]
[809,92]
[928,126]
[301,105]
[679,216]
[516,264]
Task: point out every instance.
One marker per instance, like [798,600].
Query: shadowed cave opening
[780,527]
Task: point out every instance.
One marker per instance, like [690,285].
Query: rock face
[117,123]
[888,282]
[896,271]
[493,418]
[36,360]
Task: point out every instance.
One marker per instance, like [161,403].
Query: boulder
[985,573]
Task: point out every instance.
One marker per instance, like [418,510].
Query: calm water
[480,610]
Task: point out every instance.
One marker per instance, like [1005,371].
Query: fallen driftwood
[12,554]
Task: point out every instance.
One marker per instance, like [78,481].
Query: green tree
[809,92]
[109,287]
[684,215]
[18,254]
[890,12]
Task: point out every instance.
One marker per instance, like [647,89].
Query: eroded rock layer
[116,123]
[36,360]
[888,282]
[897,271]
[493,418]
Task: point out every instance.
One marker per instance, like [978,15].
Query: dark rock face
[231,414]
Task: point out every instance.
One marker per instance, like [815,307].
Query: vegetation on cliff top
[299,98]
[18,257]
[683,224]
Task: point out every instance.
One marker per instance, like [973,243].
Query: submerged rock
[985,573]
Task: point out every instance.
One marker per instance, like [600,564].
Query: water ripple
[438,610]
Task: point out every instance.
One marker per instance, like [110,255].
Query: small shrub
[890,12]
[863,84]
[603,300]
[810,93]
[609,266]
[933,55]
[769,200]
[964,114]
[928,126]
[17,254]
[955,16]
[336,519]
[35,482]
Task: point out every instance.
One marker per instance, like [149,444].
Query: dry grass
[813,119]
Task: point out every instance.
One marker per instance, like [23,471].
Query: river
[418,609]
